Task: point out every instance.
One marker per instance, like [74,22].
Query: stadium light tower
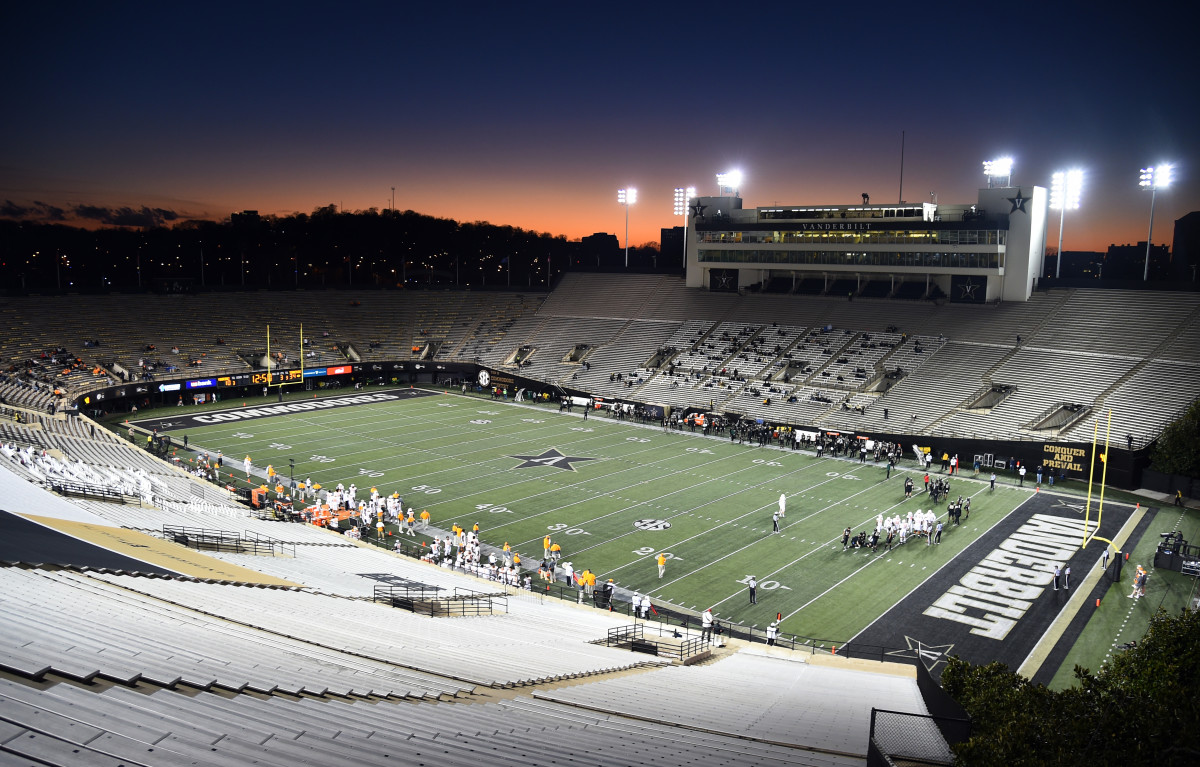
[627,197]
[996,169]
[1065,187]
[683,199]
[730,181]
[1154,178]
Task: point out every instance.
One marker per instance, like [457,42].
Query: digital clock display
[277,377]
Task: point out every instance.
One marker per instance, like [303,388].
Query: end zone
[996,600]
[229,415]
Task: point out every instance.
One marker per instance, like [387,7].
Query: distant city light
[999,168]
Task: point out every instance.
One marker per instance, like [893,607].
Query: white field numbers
[765,585]
[646,551]
[492,508]
[565,530]
[426,489]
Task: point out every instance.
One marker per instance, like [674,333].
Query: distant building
[1080,264]
[992,250]
[245,218]
[670,256]
[600,251]
[1128,262]
[1185,248]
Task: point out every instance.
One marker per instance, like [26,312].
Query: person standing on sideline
[1038,472]
[775,522]
[1104,559]
[246,466]
[1067,578]
[753,591]
[938,539]
[1179,498]
[662,564]
[927,482]
[772,633]
[1021,472]
[425,519]
[1057,575]
[993,481]
[954,464]
[706,624]
[782,505]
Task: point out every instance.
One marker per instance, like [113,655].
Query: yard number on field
[646,551]
[765,585]
[560,528]
[492,508]
[427,489]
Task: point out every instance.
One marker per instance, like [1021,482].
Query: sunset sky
[534,114]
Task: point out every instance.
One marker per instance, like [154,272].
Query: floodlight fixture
[1156,177]
[1065,188]
[626,197]
[731,180]
[996,169]
[1153,178]
[682,198]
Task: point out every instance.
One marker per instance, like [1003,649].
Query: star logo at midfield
[1018,203]
[930,655]
[551,458]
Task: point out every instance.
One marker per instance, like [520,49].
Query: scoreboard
[277,377]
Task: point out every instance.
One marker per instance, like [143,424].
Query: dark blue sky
[534,114]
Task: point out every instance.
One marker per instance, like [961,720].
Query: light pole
[683,198]
[393,199]
[1065,187]
[1153,178]
[626,197]
[1001,167]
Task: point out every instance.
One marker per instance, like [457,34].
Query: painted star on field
[930,655]
[551,458]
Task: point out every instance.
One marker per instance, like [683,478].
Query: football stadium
[633,519]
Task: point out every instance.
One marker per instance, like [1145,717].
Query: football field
[616,494]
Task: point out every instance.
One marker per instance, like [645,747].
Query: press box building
[992,250]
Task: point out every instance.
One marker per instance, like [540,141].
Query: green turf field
[704,501]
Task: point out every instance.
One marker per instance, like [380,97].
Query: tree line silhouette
[327,248]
